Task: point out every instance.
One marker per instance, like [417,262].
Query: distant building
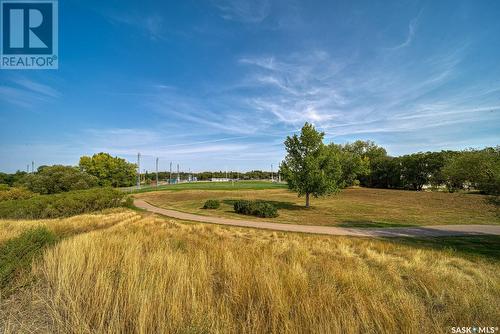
[220,179]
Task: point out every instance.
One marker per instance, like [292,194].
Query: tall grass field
[122,271]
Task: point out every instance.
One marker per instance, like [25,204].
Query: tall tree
[353,165]
[311,167]
[365,155]
[110,171]
[57,179]
[479,169]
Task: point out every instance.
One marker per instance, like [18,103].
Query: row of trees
[310,167]
[104,170]
[314,168]
[99,170]
[451,170]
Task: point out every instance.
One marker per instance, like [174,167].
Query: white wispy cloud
[207,114]
[27,93]
[121,137]
[246,11]
[388,96]
[37,87]
[412,28]
[152,25]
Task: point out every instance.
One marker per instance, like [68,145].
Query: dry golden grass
[355,207]
[67,226]
[151,275]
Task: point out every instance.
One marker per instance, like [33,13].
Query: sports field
[236,185]
[353,207]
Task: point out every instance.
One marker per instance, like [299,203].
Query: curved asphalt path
[423,231]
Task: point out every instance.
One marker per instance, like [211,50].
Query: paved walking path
[423,231]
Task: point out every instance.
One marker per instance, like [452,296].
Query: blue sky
[216,85]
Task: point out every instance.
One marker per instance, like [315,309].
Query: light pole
[156,172]
[170,177]
[138,170]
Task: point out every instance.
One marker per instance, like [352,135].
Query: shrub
[129,203]
[242,207]
[15,193]
[62,205]
[56,179]
[16,254]
[255,208]
[211,204]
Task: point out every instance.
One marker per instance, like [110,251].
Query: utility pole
[138,171]
[32,166]
[156,172]
[170,177]
[178,175]
[272,173]
[27,168]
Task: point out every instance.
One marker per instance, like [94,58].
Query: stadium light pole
[138,170]
[156,172]
[170,177]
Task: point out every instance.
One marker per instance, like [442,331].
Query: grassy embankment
[140,273]
[353,207]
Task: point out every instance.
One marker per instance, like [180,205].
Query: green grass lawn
[353,207]
[480,246]
[239,185]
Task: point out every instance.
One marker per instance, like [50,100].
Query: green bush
[242,207]
[255,208]
[57,179]
[16,254]
[62,205]
[15,193]
[211,204]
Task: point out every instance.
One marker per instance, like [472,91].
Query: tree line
[367,164]
[100,170]
[312,167]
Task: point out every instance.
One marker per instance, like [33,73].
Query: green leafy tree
[414,171]
[110,171]
[57,179]
[386,173]
[11,179]
[357,160]
[352,165]
[311,167]
[478,169]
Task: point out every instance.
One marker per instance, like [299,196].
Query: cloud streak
[26,93]
[152,25]
[245,11]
